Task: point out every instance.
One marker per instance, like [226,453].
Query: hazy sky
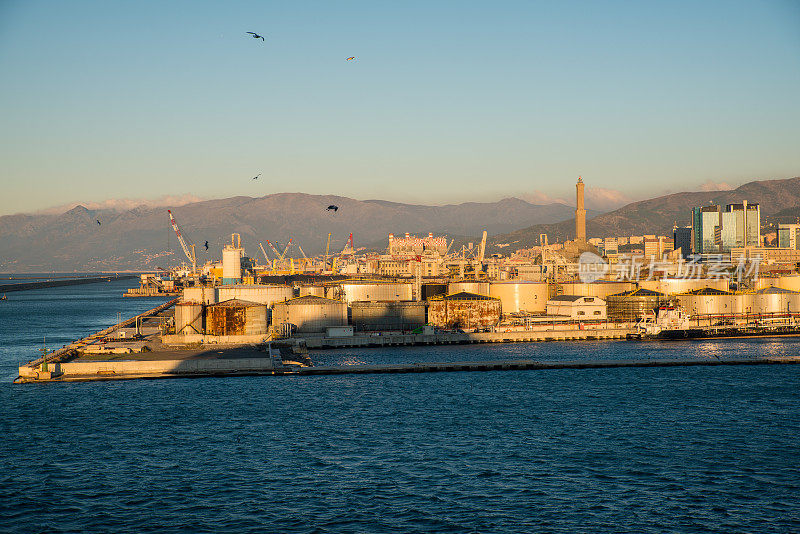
[446,102]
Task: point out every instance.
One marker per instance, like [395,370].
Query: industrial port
[246,314]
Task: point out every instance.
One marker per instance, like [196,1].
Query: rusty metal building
[464,310]
[236,318]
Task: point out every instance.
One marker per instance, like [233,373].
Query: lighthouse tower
[580,215]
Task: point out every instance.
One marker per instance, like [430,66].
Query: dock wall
[145,369]
[391,339]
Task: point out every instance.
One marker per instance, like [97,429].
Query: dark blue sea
[696,449]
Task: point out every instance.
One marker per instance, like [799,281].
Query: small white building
[577,307]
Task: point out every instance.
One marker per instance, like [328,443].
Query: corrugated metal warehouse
[310,314]
[387,315]
[464,310]
[236,318]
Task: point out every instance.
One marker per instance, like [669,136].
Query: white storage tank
[231,264]
[477,288]
[310,314]
[202,295]
[775,300]
[267,295]
[675,286]
[790,282]
[743,303]
[706,301]
[370,291]
[521,296]
[601,289]
[317,291]
[188,318]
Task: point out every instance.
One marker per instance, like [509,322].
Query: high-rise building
[706,222]
[717,231]
[682,236]
[789,236]
[580,214]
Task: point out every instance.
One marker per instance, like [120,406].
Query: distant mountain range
[659,215]
[141,238]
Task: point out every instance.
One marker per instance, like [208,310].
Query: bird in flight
[256,176]
[334,208]
[206,245]
[98,222]
[255,35]
[351,58]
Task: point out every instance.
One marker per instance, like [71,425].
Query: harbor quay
[180,339]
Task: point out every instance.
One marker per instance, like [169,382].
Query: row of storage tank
[247,310]
[515,297]
[312,314]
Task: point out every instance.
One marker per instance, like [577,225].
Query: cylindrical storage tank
[374,291]
[263,294]
[317,291]
[464,310]
[387,316]
[520,296]
[203,295]
[792,283]
[478,288]
[188,318]
[600,289]
[309,314]
[743,303]
[675,286]
[255,320]
[231,265]
[236,318]
[705,302]
[632,305]
[774,300]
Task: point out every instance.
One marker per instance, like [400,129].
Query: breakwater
[24,286]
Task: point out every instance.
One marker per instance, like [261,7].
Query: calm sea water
[604,450]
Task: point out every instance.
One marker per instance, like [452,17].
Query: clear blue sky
[446,102]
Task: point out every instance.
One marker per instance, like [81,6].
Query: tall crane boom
[289,244]
[187,249]
[275,250]
[264,252]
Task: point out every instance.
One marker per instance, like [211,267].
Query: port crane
[265,253]
[188,249]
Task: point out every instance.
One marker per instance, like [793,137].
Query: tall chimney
[580,214]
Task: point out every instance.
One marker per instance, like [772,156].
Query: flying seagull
[334,208]
[256,176]
[206,245]
[255,35]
